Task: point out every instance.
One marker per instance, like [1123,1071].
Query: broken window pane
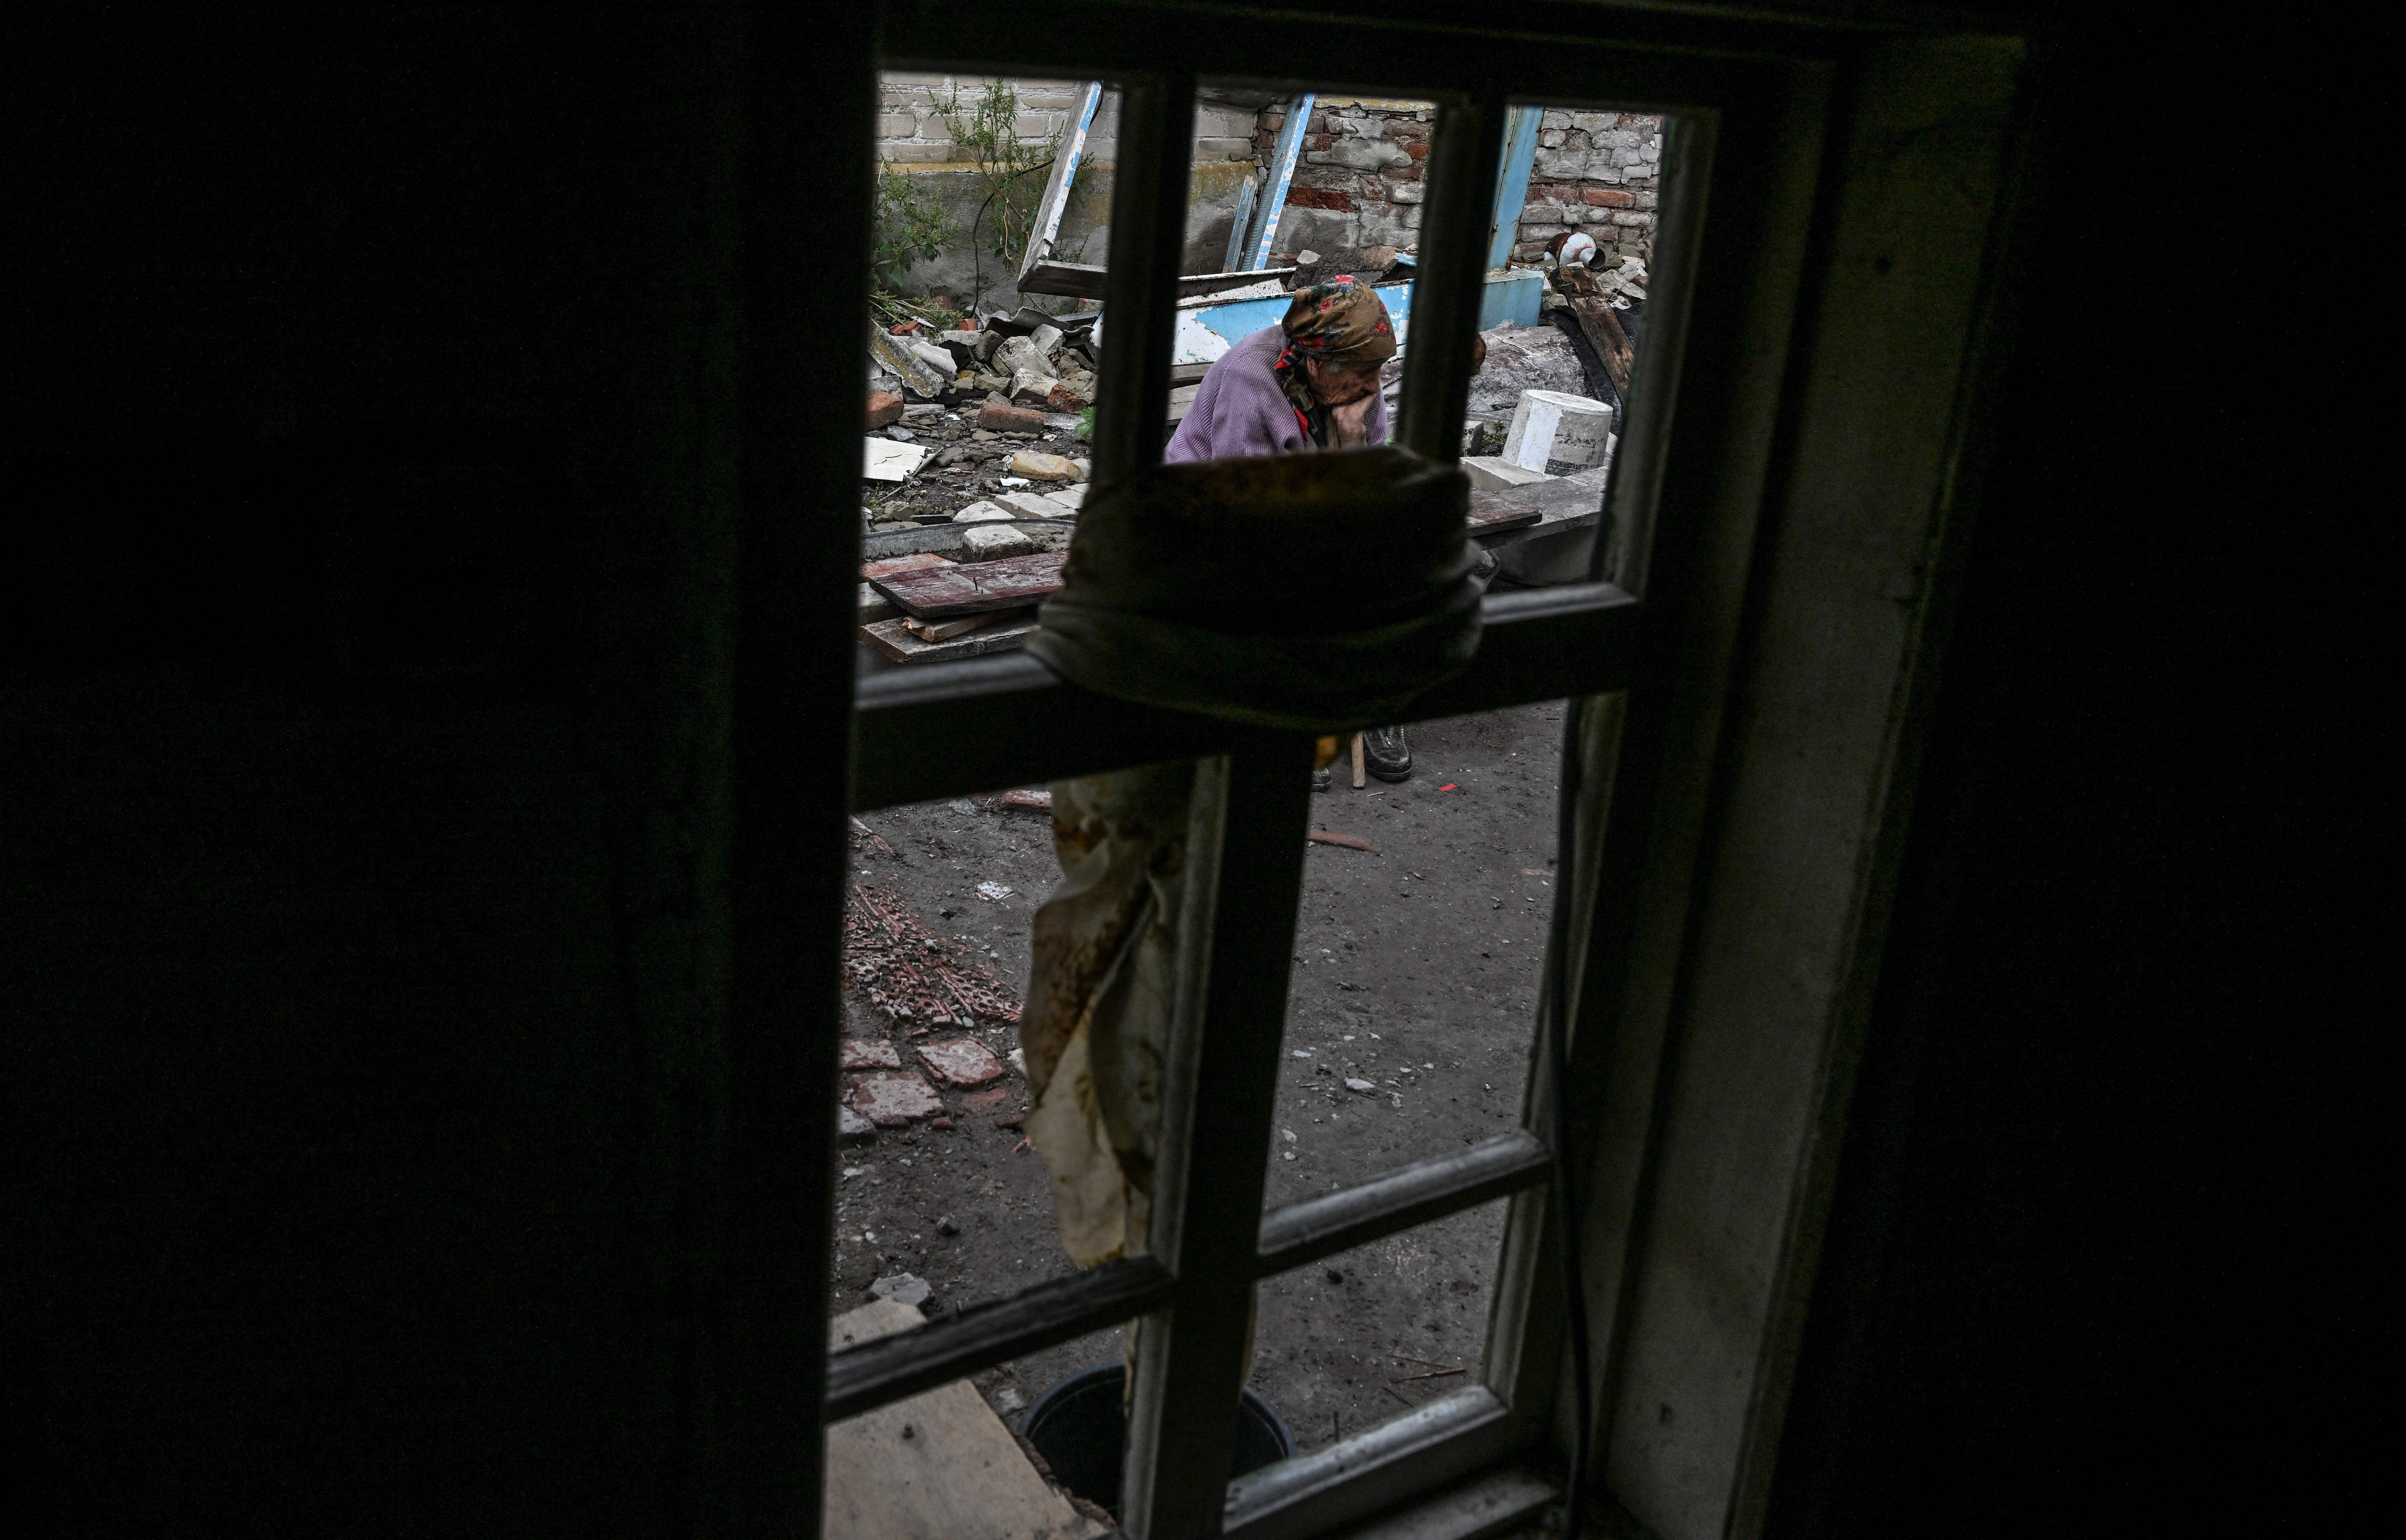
[992,225]
[1368,1335]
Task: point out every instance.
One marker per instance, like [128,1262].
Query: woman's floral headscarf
[1340,321]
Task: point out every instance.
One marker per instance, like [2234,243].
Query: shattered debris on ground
[914,976]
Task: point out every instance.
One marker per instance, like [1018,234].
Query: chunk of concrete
[1036,465]
[1523,357]
[993,542]
[1035,505]
[1556,427]
[979,511]
[1495,474]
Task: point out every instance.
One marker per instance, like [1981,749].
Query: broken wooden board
[944,631]
[957,1472]
[939,593]
[895,640]
[1084,281]
[1604,334]
[911,563]
[1493,514]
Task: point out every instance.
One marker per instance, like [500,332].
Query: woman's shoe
[1385,755]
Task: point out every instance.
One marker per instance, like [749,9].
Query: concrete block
[1033,388]
[1552,429]
[1031,505]
[993,542]
[979,513]
[1495,474]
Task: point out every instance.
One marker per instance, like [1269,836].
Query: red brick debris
[997,417]
[885,409]
[912,974]
[891,1098]
[961,1061]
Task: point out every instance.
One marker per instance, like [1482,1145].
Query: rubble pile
[990,408]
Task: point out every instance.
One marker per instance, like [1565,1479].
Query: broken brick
[1037,466]
[1063,399]
[961,1061]
[885,409]
[865,1054]
[979,1101]
[890,1099]
[995,417]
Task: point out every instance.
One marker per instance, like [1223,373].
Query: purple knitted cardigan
[1240,411]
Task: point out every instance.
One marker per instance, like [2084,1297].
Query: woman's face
[1342,384]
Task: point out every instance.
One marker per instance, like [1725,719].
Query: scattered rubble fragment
[902,1288]
[912,976]
[892,1097]
[1351,841]
[850,1124]
[885,409]
[993,893]
[991,542]
[998,417]
[1036,799]
[884,460]
[1037,466]
[865,1054]
[962,1062]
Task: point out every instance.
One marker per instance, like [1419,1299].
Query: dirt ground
[1415,969]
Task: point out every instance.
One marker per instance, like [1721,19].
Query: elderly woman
[1310,381]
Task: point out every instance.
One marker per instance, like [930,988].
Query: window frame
[1780,127]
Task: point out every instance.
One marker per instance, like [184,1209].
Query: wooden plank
[1281,174]
[1066,156]
[939,1463]
[1600,325]
[939,593]
[1084,281]
[944,631]
[1491,512]
[911,562]
[893,638]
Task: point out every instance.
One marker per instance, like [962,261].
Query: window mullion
[1191,1360]
[1140,284]
[1460,182]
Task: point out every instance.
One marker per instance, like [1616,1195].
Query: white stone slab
[885,461]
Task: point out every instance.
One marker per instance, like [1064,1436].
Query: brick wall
[1597,172]
[1358,182]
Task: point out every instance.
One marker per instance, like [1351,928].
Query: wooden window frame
[1752,675]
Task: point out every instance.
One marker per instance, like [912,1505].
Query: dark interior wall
[367,421]
[2084,1274]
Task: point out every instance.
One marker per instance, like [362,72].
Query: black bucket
[1078,1429]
